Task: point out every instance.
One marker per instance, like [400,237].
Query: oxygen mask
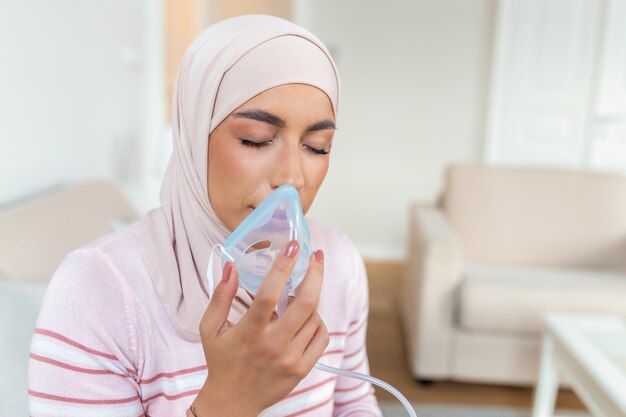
[256,242]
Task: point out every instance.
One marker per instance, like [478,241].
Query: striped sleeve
[353,397]
[82,358]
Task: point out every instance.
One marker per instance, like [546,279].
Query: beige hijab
[228,64]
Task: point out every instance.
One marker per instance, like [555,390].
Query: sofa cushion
[533,216]
[514,299]
[19,308]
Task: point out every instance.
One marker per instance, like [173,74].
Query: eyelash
[253,144]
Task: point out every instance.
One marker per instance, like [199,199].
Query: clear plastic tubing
[371,379]
[282,305]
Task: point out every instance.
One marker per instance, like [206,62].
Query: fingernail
[319,256]
[291,249]
[226,273]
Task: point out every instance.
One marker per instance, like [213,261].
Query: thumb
[219,305]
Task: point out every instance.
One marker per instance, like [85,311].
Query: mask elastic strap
[209,269]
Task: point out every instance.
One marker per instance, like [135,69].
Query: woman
[127,327]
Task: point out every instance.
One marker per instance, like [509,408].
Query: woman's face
[281,136]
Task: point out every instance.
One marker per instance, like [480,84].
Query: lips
[280,213]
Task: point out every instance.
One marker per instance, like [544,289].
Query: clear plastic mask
[257,241]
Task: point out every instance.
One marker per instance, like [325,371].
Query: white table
[589,352]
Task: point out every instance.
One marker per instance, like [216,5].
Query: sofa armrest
[36,234]
[433,272]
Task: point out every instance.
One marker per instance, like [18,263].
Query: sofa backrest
[35,235]
[537,216]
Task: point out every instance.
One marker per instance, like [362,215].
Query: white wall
[414,89]
[80,89]
[75,104]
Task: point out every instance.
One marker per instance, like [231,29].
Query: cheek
[232,171]
[236,167]
[229,179]
[314,172]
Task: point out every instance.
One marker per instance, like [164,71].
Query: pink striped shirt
[104,346]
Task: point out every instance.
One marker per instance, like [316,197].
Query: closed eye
[261,144]
[254,144]
[316,150]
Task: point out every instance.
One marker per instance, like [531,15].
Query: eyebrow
[272,119]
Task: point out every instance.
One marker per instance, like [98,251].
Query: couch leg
[425,382]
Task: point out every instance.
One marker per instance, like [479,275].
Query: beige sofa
[35,235]
[503,246]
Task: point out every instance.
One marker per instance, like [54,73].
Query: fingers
[262,309]
[302,339]
[216,313]
[306,300]
[314,350]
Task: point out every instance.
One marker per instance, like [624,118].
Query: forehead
[289,101]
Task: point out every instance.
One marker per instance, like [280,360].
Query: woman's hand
[258,361]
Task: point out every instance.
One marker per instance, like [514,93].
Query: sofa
[501,247]
[35,235]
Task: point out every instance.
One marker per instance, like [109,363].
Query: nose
[288,168]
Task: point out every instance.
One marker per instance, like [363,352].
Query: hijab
[228,64]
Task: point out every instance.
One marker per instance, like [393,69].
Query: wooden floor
[388,361]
